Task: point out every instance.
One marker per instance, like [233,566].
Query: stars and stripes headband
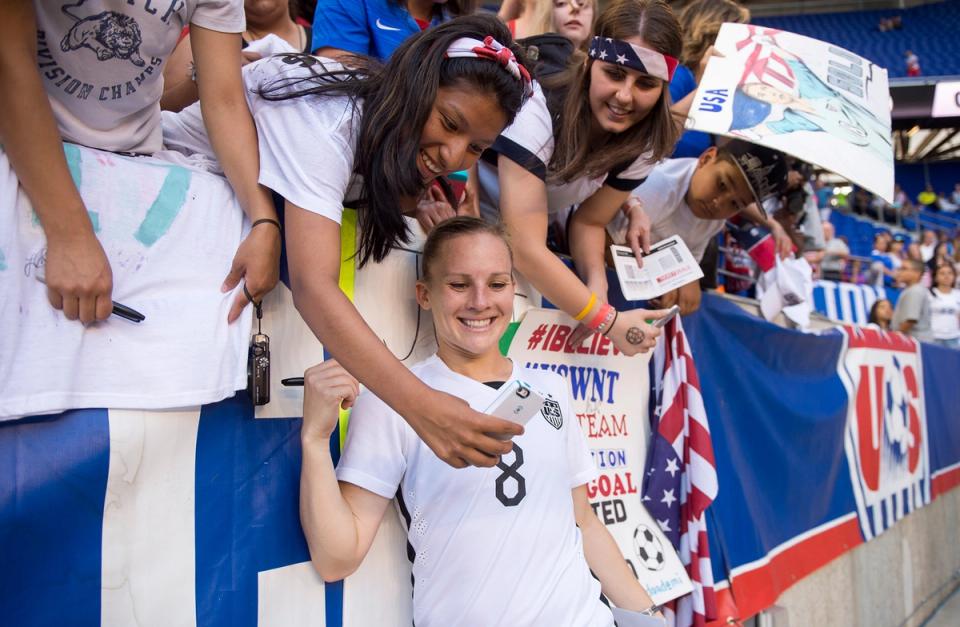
[490,48]
[633,56]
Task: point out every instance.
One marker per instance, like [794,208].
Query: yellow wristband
[590,303]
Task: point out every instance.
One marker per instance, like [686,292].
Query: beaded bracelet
[607,323]
[604,314]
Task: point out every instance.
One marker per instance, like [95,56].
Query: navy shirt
[371,27]
[692,143]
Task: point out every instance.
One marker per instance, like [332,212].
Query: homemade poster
[808,98]
[610,393]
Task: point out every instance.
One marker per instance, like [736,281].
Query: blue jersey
[371,27]
[691,143]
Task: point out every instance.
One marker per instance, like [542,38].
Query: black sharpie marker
[127,313]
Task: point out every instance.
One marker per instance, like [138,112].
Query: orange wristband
[601,316]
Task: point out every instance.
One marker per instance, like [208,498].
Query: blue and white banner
[848,302]
[826,440]
[886,436]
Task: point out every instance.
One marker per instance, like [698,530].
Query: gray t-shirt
[835,253]
[914,304]
[102,64]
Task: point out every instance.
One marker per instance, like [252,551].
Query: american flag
[756,240]
[680,480]
[765,63]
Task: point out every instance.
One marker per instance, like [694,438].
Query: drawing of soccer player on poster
[807,98]
[761,109]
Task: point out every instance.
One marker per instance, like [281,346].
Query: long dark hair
[397,99]
[873,318]
[948,264]
[573,155]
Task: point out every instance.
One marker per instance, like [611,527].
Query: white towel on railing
[170,233]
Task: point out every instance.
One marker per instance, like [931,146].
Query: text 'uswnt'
[587,383]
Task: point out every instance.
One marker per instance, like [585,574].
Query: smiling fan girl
[586,142]
[373,137]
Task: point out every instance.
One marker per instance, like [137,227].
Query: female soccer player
[511,545]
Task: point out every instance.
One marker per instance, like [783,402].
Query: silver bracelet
[653,610]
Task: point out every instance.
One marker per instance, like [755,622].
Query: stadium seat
[929,31]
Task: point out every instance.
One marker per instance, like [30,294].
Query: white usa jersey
[490,546]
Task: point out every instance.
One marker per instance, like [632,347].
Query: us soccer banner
[610,393]
[828,440]
[808,98]
[886,433]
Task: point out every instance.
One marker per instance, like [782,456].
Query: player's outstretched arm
[605,560]
[339,520]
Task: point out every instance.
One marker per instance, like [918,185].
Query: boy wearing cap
[693,198]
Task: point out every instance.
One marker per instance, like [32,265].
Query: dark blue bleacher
[931,31]
[938,221]
[858,232]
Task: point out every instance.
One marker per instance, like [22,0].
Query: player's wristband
[590,303]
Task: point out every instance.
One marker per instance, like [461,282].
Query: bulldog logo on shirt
[109,34]
[551,412]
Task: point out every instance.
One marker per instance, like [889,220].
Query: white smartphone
[629,618]
[662,322]
[516,402]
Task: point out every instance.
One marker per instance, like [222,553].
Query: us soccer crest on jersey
[886,433]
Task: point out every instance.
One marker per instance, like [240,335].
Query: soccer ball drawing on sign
[648,548]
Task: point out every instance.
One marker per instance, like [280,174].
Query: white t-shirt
[170,234]
[306,143]
[492,546]
[945,314]
[663,196]
[101,62]
[529,143]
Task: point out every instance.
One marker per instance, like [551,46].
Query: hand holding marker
[127,313]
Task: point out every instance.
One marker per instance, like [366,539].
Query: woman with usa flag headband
[585,139]
[374,138]
[518,544]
